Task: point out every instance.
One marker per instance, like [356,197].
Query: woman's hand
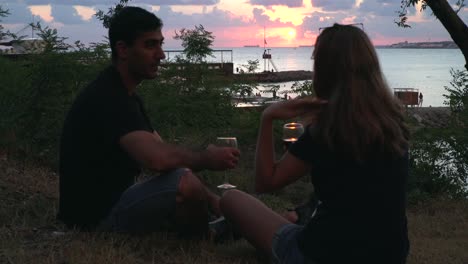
[308,106]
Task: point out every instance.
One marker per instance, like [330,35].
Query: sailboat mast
[264,39]
[32,27]
[264,50]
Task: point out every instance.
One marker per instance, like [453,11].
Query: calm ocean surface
[425,69]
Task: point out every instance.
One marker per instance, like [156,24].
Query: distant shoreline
[425,45]
[275,77]
[400,45]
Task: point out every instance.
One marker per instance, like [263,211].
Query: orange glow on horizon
[292,34]
[282,36]
[275,37]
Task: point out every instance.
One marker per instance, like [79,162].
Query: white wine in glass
[291,132]
[226,142]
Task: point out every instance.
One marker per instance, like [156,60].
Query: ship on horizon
[251,46]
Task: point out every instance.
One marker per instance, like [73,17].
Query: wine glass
[226,142]
[291,132]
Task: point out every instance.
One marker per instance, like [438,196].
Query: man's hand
[151,152]
[221,158]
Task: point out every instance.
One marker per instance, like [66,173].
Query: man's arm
[150,151]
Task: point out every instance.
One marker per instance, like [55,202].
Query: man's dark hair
[128,23]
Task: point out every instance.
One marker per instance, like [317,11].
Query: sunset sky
[234,23]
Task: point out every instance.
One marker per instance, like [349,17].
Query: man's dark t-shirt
[362,214]
[94,169]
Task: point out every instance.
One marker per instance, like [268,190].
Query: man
[107,139]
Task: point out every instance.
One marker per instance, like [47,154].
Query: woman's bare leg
[255,221]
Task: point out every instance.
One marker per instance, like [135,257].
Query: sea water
[425,69]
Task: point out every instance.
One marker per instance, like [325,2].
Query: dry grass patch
[30,234]
[439,232]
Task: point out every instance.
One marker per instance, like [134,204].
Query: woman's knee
[190,187]
[229,199]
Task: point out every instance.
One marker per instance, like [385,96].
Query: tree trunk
[452,23]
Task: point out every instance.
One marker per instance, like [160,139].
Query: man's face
[145,55]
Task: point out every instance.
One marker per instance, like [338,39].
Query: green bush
[189,101]
[35,98]
[439,157]
[435,167]
[39,90]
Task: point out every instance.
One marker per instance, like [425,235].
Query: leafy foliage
[51,38]
[243,89]
[252,65]
[439,157]
[3,13]
[305,88]
[457,98]
[405,4]
[460,4]
[106,17]
[403,12]
[189,101]
[5,34]
[40,89]
[196,43]
[36,95]
[438,167]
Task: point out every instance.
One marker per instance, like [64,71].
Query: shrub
[439,157]
[36,96]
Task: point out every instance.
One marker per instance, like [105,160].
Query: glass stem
[225,176]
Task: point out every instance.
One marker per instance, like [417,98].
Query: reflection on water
[425,69]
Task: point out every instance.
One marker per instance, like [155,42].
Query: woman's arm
[272,174]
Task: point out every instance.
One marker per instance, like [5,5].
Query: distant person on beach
[355,147]
[420,99]
[108,139]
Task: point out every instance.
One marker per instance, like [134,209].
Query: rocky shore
[272,77]
[437,117]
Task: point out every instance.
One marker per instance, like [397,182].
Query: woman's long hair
[362,115]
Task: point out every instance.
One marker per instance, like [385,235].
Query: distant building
[23,46]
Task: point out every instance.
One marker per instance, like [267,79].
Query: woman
[356,152]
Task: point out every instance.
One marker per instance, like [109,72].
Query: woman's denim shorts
[285,249]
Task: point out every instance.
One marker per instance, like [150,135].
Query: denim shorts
[285,249]
[146,206]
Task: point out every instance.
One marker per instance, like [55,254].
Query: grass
[29,233]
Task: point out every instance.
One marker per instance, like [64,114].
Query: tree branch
[452,23]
